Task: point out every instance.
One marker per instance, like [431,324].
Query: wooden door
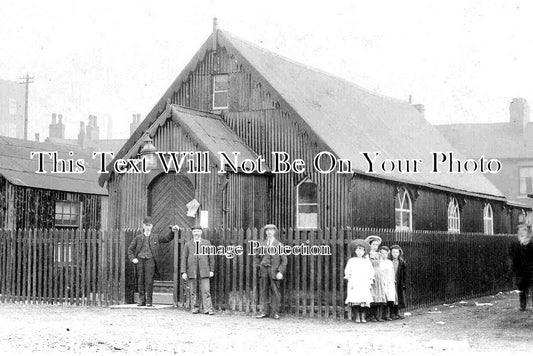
[168,195]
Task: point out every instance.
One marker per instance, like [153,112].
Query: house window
[68,214]
[526,180]
[220,91]
[403,211]
[488,219]
[306,206]
[454,218]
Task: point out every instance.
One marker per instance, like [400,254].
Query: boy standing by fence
[522,264]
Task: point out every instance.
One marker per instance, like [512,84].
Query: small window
[307,206]
[403,211]
[220,91]
[454,218]
[67,214]
[526,180]
[488,219]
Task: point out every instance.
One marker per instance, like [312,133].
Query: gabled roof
[205,128]
[342,115]
[211,132]
[350,119]
[492,140]
[19,169]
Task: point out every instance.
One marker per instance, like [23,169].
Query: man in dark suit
[197,268]
[522,263]
[142,252]
[272,267]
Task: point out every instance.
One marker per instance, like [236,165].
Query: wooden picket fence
[62,267]
[91,268]
[442,268]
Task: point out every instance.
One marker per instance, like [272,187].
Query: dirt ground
[463,327]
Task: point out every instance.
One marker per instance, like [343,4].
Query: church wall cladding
[233,200]
[264,123]
[34,208]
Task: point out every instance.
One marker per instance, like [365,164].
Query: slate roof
[19,169]
[493,140]
[211,132]
[345,117]
[351,119]
[109,145]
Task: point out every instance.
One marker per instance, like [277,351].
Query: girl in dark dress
[400,270]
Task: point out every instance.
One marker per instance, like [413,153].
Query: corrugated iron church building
[235,96]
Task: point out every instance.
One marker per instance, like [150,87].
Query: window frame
[486,219]
[402,210]
[520,192]
[220,91]
[79,215]
[298,225]
[454,222]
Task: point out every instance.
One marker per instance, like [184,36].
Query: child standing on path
[400,272]
[387,269]
[378,288]
[360,276]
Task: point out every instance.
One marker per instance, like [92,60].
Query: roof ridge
[314,69]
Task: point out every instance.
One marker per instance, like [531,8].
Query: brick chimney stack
[93,131]
[56,129]
[519,114]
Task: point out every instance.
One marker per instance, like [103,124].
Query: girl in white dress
[360,275]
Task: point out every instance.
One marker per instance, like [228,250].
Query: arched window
[488,220]
[454,218]
[306,205]
[403,210]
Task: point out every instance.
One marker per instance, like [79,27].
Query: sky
[464,60]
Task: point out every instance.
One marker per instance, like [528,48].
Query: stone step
[158,298]
[164,286]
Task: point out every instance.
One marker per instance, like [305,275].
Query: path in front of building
[462,327]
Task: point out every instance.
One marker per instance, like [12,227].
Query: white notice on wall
[192,207]
[203,218]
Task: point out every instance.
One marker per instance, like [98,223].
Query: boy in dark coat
[522,263]
[400,269]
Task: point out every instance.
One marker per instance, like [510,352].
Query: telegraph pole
[27,80]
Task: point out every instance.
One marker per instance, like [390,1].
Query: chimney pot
[54,116]
[37,137]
